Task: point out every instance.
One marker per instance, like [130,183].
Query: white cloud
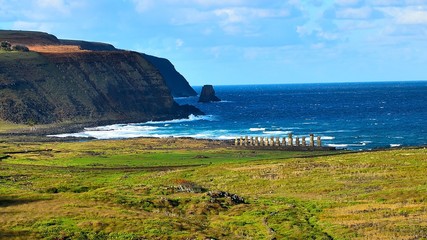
[190,16]
[33,26]
[179,43]
[386,2]
[230,15]
[409,15]
[61,6]
[346,2]
[242,14]
[354,13]
[143,5]
[241,20]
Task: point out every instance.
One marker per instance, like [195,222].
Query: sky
[228,42]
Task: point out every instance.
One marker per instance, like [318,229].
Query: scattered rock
[208,95]
[183,185]
[221,194]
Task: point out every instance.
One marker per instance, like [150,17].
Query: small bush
[20,48]
[5,45]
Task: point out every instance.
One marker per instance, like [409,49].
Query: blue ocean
[356,116]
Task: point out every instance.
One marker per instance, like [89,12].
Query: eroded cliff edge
[65,83]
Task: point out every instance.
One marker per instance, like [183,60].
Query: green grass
[110,190]
[8,126]
[11,55]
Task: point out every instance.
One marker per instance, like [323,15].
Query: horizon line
[302,83]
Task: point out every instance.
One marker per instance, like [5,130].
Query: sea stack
[208,95]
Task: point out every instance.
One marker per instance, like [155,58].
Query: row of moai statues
[272,141]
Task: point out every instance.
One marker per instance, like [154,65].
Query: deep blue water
[350,115]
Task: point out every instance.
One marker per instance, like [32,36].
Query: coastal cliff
[177,83]
[57,82]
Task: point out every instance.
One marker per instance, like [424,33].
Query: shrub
[20,48]
[5,45]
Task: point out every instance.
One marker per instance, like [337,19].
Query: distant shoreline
[40,134]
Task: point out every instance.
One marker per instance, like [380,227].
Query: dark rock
[235,199]
[208,94]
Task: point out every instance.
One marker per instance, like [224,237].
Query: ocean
[355,116]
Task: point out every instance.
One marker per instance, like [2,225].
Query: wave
[309,123]
[327,138]
[120,128]
[278,132]
[65,135]
[339,131]
[256,129]
[179,98]
[105,128]
[190,118]
[345,145]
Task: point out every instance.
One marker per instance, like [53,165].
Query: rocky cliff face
[113,86]
[176,82]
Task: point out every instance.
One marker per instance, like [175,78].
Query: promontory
[44,79]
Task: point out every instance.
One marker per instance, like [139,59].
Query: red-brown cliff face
[61,83]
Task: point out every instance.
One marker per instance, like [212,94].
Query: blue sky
[248,41]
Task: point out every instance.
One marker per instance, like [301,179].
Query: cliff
[177,83]
[57,82]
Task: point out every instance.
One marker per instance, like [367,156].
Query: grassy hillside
[160,188]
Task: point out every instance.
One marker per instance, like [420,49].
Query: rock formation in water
[208,95]
[62,80]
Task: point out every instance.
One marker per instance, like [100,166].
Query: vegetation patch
[128,190]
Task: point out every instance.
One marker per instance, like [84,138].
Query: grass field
[165,189]
[8,126]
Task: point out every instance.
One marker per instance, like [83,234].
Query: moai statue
[236,142]
[297,141]
[272,141]
[304,143]
[261,141]
[256,141]
[252,141]
[311,140]
[290,140]
[241,141]
[284,142]
[246,140]
[319,141]
[277,141]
